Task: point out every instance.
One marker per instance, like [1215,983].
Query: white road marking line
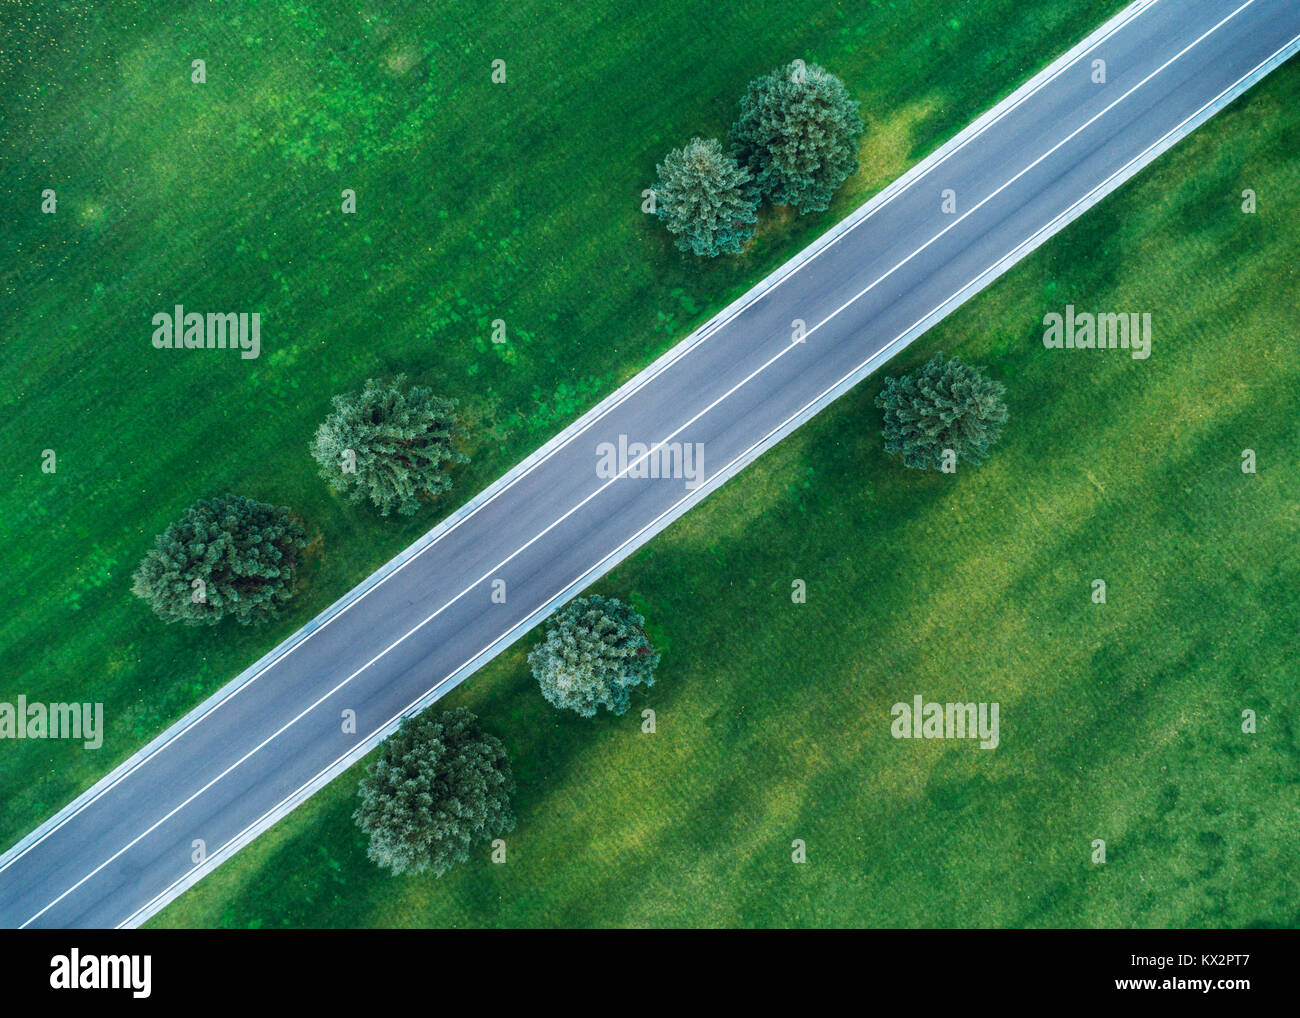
[491,572]
[1046,155]
[622,397]
[702,491]
[690,495]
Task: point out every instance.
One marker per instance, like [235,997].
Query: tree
[440,784]
[226,556]
[389,444]
[707,201]
[594,652]
[945,405]
[798,134]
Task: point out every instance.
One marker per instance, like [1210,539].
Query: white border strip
[574,430]
[650,530]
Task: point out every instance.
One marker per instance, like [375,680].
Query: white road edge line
[376,735]
[696,494]
[612,402]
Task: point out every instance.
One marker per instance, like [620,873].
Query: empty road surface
[129,846]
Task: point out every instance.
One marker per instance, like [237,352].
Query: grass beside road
[475,202]
[1119,721]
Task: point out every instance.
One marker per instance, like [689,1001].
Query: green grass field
[1119,721]
[475,202]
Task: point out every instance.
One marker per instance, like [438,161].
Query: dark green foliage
[401,440]
[440,784]
[241,553]
[594,652]
[945,405]
[707,201]
[798,134]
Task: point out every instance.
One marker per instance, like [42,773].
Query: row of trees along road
[794,142]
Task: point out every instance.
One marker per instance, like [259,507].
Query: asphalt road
[131,846]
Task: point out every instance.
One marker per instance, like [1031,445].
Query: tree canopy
[226,556]
[798,134]
[594,652]
[389,444]
[440,785]
[706,200]
[945,405]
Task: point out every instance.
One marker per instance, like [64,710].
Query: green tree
[798,134]
[945,405]
[226,556]
[389,444]
[594,652]
[706,200]
[440,785]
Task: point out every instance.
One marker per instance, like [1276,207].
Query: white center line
[620,397]
[622,473]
